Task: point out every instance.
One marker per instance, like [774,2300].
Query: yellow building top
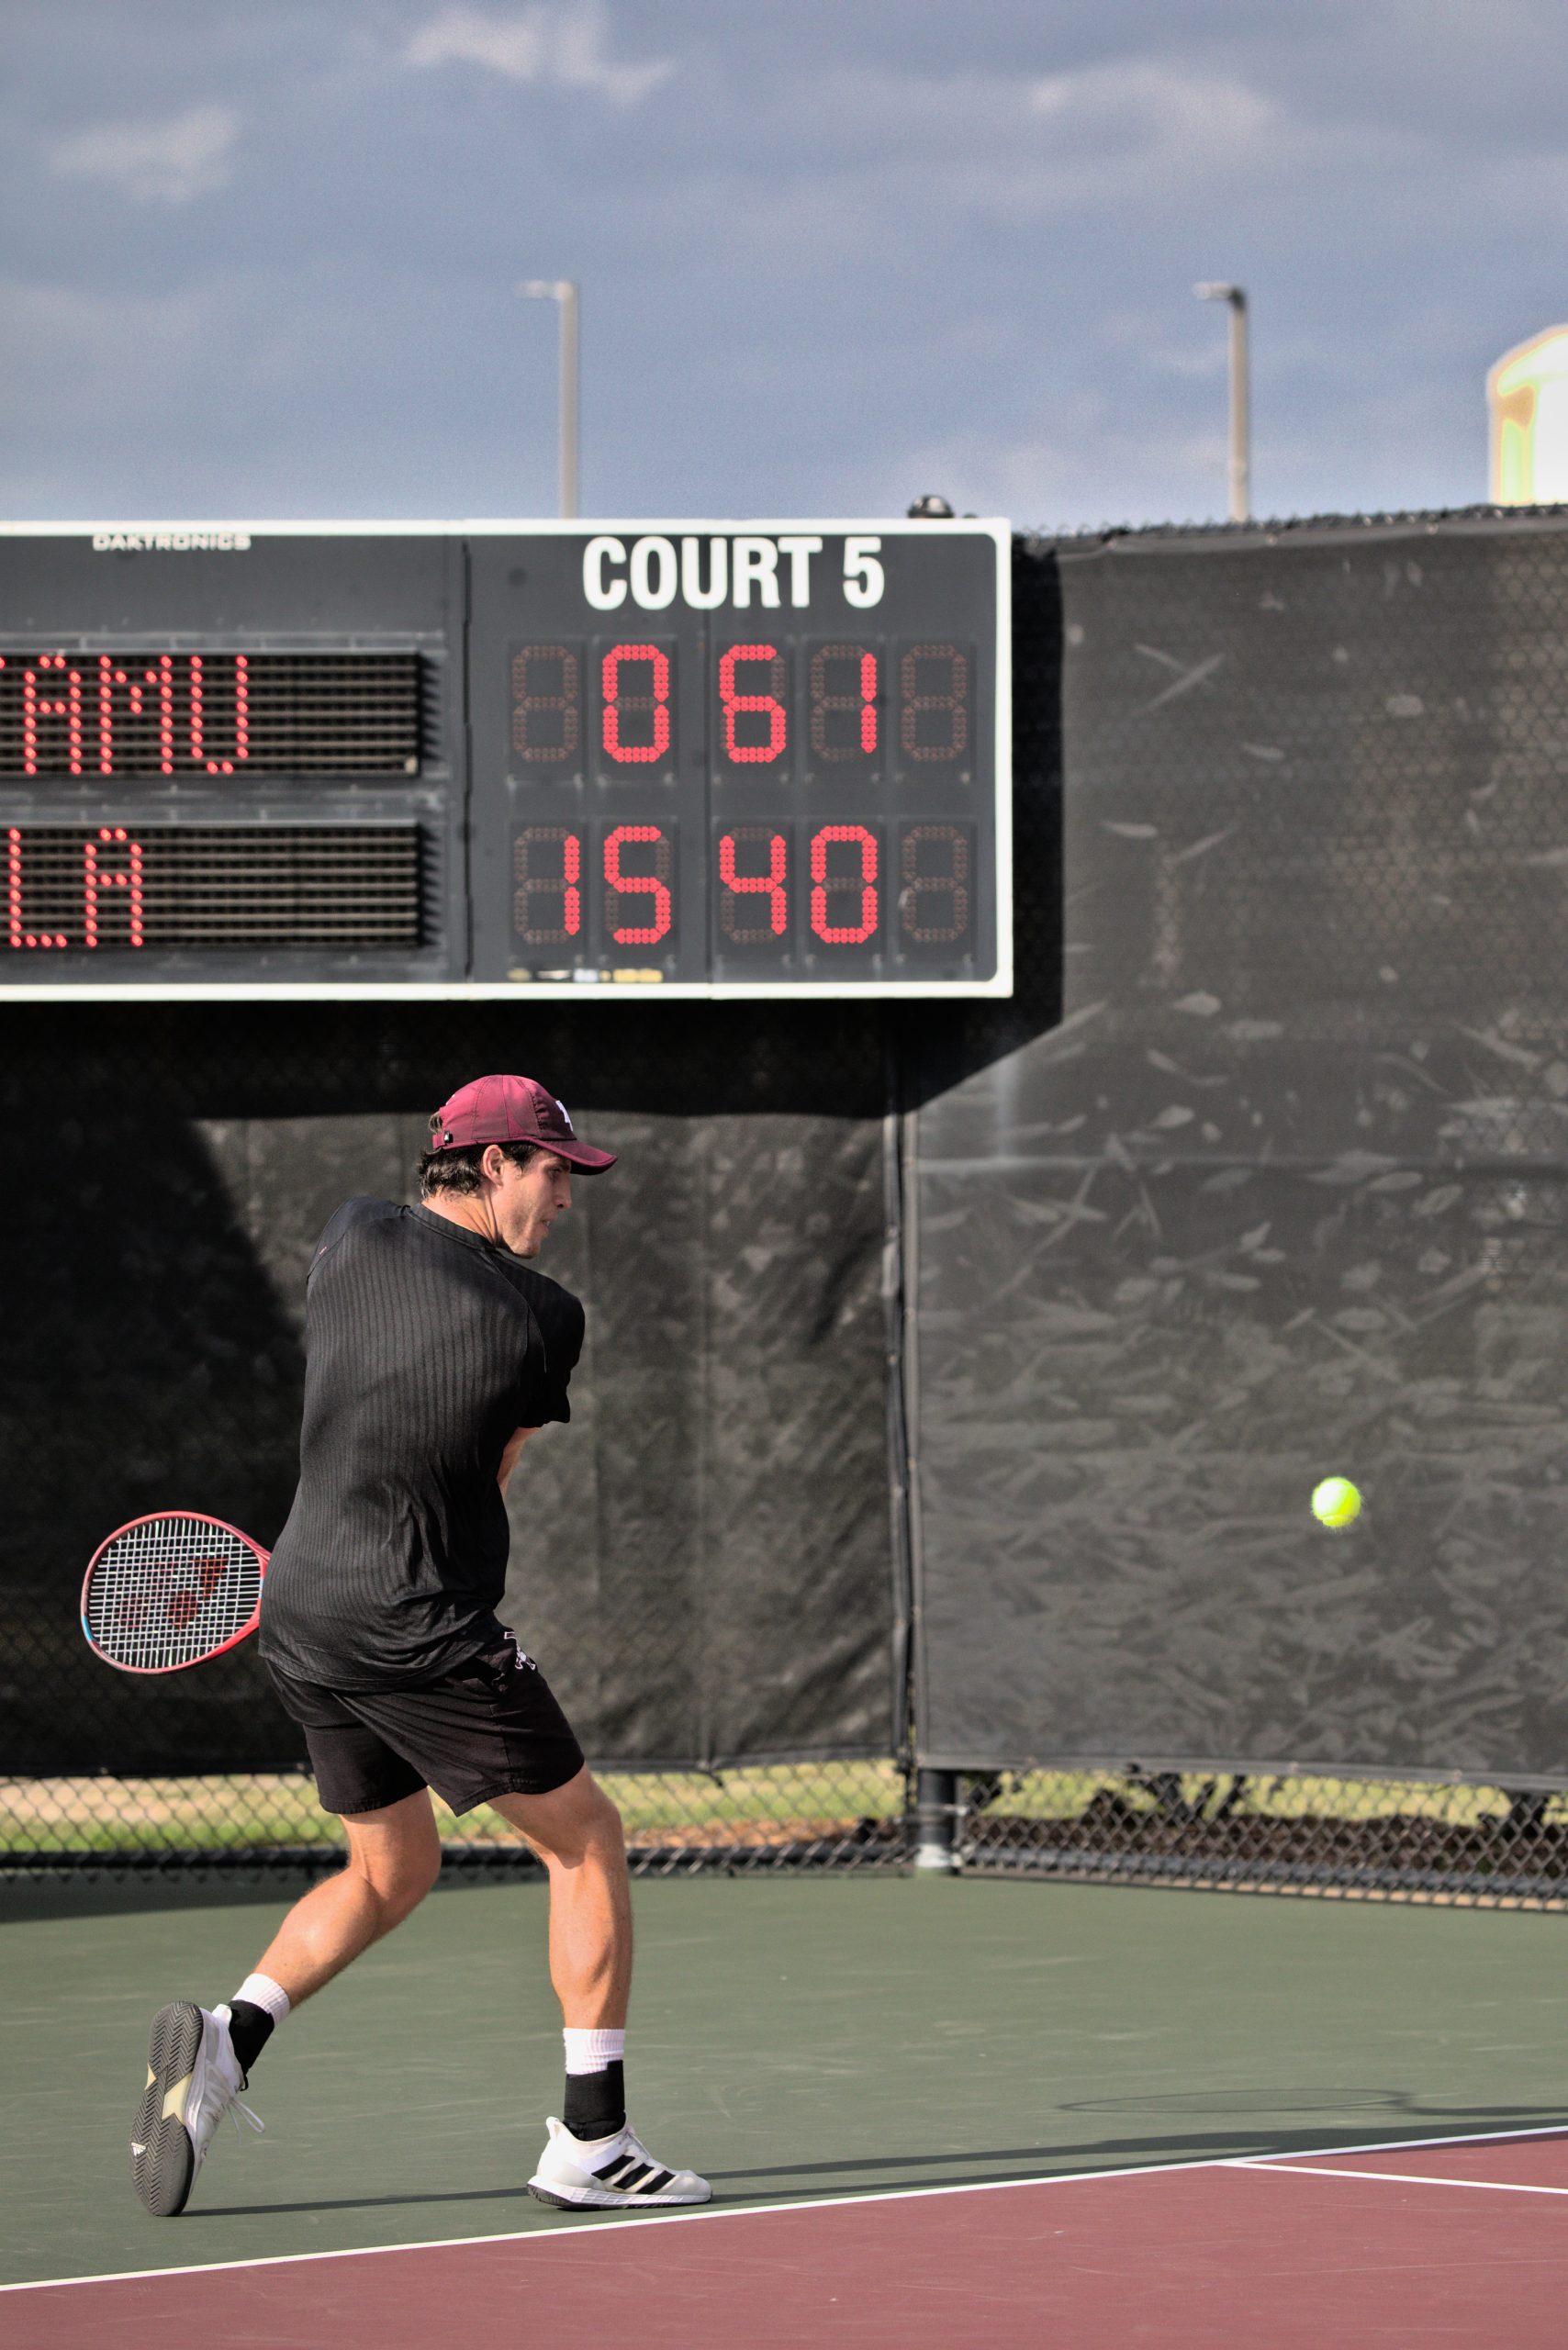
[1526,396]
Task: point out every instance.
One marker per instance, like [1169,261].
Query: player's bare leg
[576,1831]
[393,1860]
[594,2160]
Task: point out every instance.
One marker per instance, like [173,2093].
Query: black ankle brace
[250,2029]
[596,2102]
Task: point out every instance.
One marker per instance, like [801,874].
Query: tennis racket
[170,1591]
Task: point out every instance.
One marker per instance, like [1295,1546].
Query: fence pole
[936,1821]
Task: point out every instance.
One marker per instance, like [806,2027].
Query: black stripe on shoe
[626,2176]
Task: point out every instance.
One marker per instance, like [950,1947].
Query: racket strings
[169,1591]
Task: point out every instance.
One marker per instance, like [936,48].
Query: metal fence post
[936,1821]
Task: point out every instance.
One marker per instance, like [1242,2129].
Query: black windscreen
[1285,1194]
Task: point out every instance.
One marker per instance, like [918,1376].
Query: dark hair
[458,1171]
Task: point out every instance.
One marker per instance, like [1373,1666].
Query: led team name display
[701,759]
[146,714]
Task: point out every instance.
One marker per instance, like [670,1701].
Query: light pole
[563,291]
[1240,467]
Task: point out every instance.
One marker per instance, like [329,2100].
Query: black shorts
[490,1726]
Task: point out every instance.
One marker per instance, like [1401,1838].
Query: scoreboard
[684,759]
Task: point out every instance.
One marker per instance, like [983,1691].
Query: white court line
[1406,2178]
[564,2234]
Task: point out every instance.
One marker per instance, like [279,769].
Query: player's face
[527,1201]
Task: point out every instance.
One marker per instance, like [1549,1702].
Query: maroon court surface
[1383,2249]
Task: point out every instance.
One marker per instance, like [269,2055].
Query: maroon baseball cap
[513,1109]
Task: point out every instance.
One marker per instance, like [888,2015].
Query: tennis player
[433,1352]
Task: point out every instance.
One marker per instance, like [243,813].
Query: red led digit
[241,709]
[37,706]
[164,678]
[745,885]
[528,920]
[106,715]
[616,704]
[113,861]
[536,716]
[73,716]
[768,705]
[655,885]
[843,934]
[936,924]
[858,705]
[20,936]
[198,680]
[934,714]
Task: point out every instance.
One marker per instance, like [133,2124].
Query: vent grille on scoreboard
[181,715]
[114,888]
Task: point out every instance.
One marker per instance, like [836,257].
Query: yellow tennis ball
[1336,1501]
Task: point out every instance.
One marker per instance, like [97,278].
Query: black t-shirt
[425,1348]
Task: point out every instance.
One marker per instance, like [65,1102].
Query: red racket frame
[187,1517]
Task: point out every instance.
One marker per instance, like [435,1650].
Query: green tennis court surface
[802,2041]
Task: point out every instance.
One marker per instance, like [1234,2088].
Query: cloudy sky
[257,260]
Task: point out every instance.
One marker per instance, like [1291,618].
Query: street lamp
[563,291]
[1240,457]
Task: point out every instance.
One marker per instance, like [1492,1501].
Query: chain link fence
[1271,1833]
[1275,1833]
[677,1822]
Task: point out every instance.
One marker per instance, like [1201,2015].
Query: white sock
[262,1992]
[590,2052]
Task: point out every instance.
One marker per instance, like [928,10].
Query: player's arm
[514,1445]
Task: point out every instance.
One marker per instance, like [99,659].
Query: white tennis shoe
[194,2078]
[609,2174]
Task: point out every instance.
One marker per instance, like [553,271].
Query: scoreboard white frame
[177,538]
